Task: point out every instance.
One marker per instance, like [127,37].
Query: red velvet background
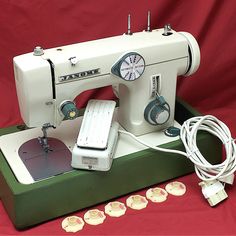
[25,24]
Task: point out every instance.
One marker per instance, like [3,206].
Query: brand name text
[79,75]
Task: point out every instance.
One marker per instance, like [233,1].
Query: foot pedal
[96,124]
[97,139]
[96,159]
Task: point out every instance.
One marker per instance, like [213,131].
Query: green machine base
[28,205]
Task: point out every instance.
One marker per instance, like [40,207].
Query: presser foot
[43,141]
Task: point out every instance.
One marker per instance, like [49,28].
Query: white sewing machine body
[44,82]
[138,67]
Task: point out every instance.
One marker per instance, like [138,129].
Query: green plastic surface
[28,205]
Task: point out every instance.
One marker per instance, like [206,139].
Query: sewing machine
[142,68]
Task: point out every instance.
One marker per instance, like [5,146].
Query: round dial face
[132,66]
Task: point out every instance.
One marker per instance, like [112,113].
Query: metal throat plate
[41,164]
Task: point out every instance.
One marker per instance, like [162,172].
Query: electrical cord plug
[213,191]
[228,179]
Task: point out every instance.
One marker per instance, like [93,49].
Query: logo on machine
[79,75]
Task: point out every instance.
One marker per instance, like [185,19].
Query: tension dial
[130,67]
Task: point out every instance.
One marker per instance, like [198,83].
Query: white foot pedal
[96,159]
[96,124]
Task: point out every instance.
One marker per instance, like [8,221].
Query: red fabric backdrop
[25,24]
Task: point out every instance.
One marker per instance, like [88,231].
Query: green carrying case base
[28,205]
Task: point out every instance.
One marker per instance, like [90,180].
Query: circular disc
[176,188]
[94,217]
[132,66]
[72,224]
[156,194]
[115,209]
[136,202]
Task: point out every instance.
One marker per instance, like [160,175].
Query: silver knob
[73,60]
[38,51]
[167,30]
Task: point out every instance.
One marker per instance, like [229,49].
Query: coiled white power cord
[205,170]
[188,134]
[212,175]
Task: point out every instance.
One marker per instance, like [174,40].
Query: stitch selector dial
[130,67]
